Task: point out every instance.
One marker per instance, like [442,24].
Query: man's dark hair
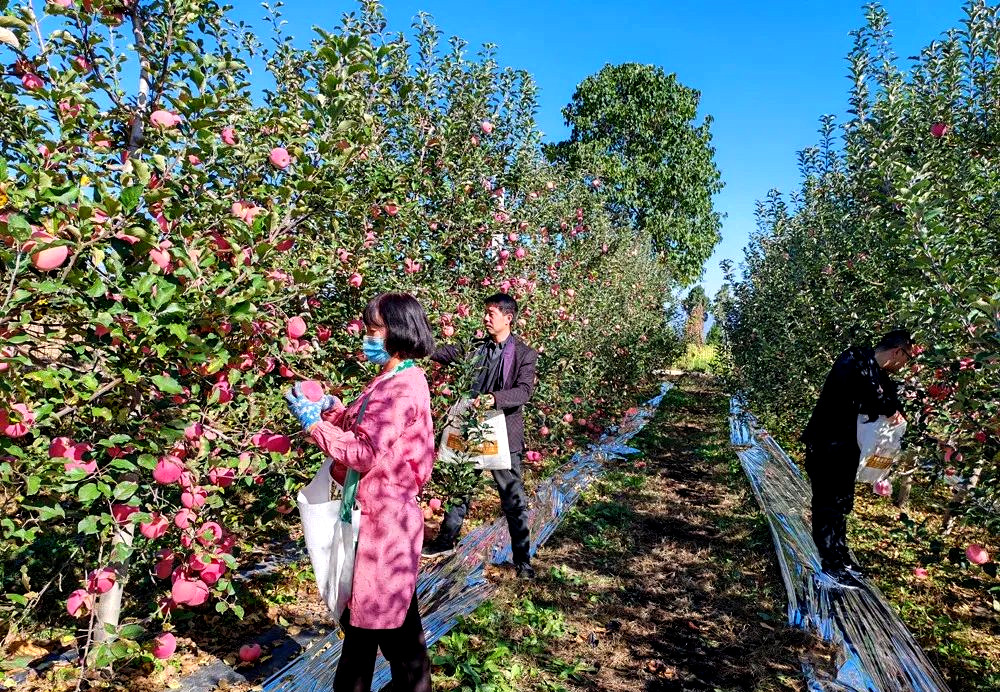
[502,302]
[897,338]
[407,331]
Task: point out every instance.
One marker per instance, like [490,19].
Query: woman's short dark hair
[407,331]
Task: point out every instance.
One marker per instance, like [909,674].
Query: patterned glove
[308,412]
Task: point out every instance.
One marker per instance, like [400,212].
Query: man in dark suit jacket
[504,379]
[858,383]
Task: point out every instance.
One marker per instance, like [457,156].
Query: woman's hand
[307,411]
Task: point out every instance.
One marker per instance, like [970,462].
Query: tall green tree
[635,131]
[696,305]
[718,310]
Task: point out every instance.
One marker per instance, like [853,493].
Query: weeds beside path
[663,577]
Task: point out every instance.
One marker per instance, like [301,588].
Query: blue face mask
[374,349]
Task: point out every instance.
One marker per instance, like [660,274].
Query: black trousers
[513,501]
[404,648]
[831,474]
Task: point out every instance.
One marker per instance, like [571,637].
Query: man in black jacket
[858,383]
[504,379]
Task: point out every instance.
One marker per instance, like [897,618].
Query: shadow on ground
[685,588]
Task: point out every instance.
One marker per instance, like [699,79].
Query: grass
[696,358]
[952,612]
[662,577]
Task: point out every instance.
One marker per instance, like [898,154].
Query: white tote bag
[491,455]
[879,441]
[330,541]
[330,527]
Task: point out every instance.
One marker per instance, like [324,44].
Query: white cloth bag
[492,455]
[330,541]
[879,441]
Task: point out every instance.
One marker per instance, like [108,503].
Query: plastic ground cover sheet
[450,588]
[875,651]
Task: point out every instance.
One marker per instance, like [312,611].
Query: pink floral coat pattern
[393,450]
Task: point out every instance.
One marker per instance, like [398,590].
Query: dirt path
[662,578]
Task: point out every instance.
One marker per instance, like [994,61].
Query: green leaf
[242,309]
[132,631]
[123,465]
[88,525]
[97,289]
[141,169]
[9,22]
[167,384]
[17,598]
[119,649]
[33,484]
[75,475]
[198,77]
[47,378]
[88,492]
[65,194]
[121,553]
[102,659]
[125,490]
[54,512]
[130,197]
[164,292]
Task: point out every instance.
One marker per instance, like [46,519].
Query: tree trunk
[905,484]
[109,604]
[903,489]
[948,523]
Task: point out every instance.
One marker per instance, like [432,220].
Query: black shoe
[843,576]
[437,548]
[525,571]
[855,569]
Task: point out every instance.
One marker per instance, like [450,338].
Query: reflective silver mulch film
[448,589]
[875,650]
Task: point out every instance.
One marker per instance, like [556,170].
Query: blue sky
[766,70]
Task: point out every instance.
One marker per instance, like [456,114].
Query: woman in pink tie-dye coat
[393,450]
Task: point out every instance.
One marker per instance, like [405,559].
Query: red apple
[21,427]
[164,645]
[249,652]
[168,470]
[155,527]
[295,328]
[192,592]
[977,554]
[79,602]
[222,476]
[279,157]
[101,580]
[311,389]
